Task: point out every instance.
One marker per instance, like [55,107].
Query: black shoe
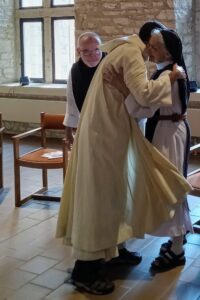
[126,257]
[167,261]
[90,277]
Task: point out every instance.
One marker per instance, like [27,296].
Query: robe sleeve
[72,113]
[136,110]
[146,92]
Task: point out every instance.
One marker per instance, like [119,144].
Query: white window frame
[47,12]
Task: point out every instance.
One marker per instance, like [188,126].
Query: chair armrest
[26,134]
[195,147]
[193,172]
[18,137]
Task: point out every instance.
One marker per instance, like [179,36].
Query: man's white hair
[88,35]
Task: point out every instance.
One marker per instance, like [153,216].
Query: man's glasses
[86,52]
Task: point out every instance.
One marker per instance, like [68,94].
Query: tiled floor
[33,264]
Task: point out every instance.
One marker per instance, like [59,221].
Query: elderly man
[80,77]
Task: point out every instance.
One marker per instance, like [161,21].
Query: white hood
[109,46]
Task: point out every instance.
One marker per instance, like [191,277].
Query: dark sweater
[81,77]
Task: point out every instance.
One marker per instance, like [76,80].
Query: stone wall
[7,40]
[124,17]
[184,11]
[120,17]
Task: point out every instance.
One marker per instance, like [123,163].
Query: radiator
[28,110]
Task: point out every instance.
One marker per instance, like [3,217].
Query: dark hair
[146,29]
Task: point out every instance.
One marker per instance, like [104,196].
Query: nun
[170,134]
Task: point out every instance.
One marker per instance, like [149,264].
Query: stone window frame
[47,13]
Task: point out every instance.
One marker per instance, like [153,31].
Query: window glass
[31,3]
[64,47]
[32,49]
[62,2]
[47,52]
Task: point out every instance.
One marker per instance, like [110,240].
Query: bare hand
[69,137]
[179,72]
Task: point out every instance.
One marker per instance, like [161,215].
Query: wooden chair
[194,176]
[36,159]
[194,179]
[1,151]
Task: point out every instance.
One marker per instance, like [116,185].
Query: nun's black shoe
[167,261]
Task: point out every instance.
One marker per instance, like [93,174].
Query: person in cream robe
[117,185]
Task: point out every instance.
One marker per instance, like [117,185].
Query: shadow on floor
[3,193]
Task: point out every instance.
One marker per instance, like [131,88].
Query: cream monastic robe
[117,185]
